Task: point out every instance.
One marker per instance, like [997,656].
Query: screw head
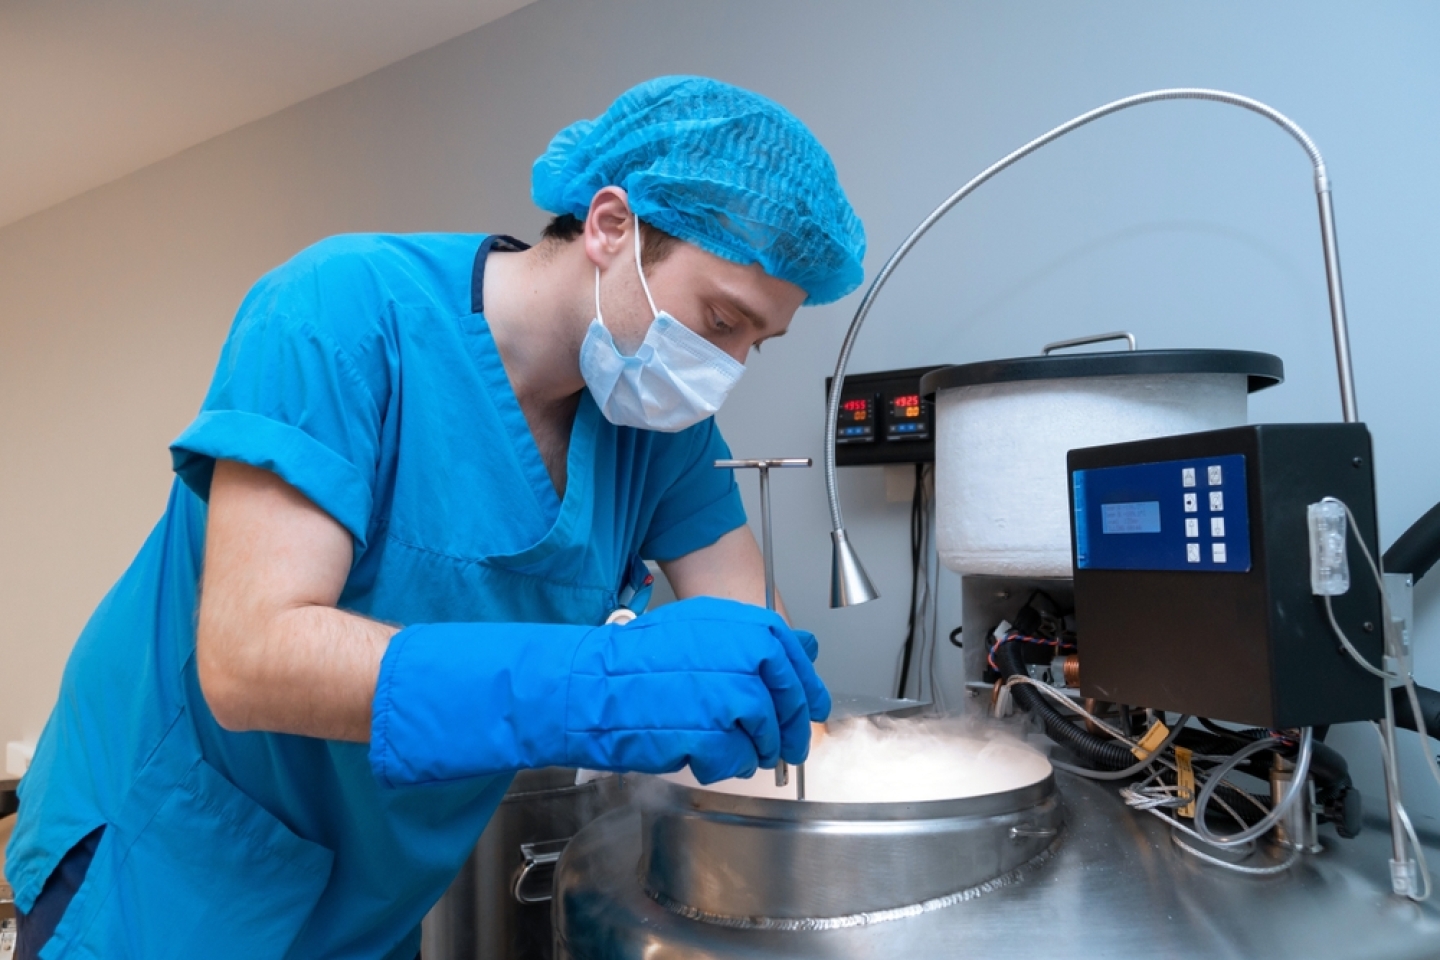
[1357,462]
[1368,627]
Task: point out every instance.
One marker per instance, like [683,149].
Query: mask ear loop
[597,298]
[638,269]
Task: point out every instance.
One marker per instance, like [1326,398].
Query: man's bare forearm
[273,651]
[312,673]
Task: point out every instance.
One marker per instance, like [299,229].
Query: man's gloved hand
[721,686]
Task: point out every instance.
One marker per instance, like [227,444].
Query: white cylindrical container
[1003,428]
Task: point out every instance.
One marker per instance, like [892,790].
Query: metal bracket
[535,880]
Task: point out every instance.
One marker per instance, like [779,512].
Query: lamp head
[849,584]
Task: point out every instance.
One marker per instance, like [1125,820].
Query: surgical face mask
[674,380]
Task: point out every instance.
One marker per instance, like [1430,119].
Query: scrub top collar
[567,521]
[495,241]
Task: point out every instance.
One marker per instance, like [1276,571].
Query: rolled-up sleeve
[287,398]
[701,505]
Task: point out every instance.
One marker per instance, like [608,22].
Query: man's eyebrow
[756,321]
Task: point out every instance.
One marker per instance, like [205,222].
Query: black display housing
[884,447]
[1250,647]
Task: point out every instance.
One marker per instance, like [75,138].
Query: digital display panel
[905,407]
[1142,517]
[857,420]
[1191,514]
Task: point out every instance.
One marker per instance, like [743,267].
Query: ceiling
[91,90]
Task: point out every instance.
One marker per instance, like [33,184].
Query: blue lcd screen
[1141,517]
[1188,514]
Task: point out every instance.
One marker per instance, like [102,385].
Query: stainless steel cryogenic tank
[1113,884]
[755,863]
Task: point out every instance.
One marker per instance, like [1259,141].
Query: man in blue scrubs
[424,479]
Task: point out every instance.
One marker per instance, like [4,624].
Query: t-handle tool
[782,769]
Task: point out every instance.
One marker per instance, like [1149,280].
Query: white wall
[1190,224]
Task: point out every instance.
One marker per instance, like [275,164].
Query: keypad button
[1187,476]
[1217,526]
[1213,475]
[1191,503]
[1217,501]
[1217,552]
[1192,526]
[1192,552]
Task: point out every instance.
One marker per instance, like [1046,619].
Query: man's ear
[607,227]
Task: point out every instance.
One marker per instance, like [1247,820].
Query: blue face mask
[674,380]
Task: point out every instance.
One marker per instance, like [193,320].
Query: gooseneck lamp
[849,584]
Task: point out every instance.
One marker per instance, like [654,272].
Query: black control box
[1192,575]
[884,419]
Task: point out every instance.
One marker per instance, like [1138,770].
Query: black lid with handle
[1262,369]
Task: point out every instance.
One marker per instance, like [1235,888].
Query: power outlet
[18,755]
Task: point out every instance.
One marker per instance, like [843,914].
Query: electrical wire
[916,551]
[932,557]
[1406,825]
[1154,800]
[1149,759]
[1216,775]
[1405,678]
[1354,653]
[1069,704]
[1269,871]
[1149,803]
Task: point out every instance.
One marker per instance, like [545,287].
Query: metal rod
[767,552]
[1327,240]
[1336,291]
[767,548]
[1402,878]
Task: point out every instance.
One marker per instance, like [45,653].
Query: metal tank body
[782,864]
[498,907]
[1113,885]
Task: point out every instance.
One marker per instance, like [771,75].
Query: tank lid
[1262,369]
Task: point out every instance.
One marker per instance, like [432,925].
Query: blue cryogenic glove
[722,686]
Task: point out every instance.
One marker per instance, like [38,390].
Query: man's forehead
[751,291]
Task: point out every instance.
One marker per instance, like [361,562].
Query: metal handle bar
[1086,341]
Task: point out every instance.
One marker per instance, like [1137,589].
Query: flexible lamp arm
[849,583]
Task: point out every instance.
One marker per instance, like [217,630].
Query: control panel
[1189,514]
[906,419]
[1193,589]
[884,419]
[857,421]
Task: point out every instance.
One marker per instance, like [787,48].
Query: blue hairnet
[720,167]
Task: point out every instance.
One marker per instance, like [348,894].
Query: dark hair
[655,244]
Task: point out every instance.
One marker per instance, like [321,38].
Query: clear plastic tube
[1212,781]
[1269,871]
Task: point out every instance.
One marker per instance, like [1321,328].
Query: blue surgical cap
[720,167]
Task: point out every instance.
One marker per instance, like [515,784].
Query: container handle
[535,881]
[1093,338]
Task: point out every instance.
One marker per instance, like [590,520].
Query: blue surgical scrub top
[363,372]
